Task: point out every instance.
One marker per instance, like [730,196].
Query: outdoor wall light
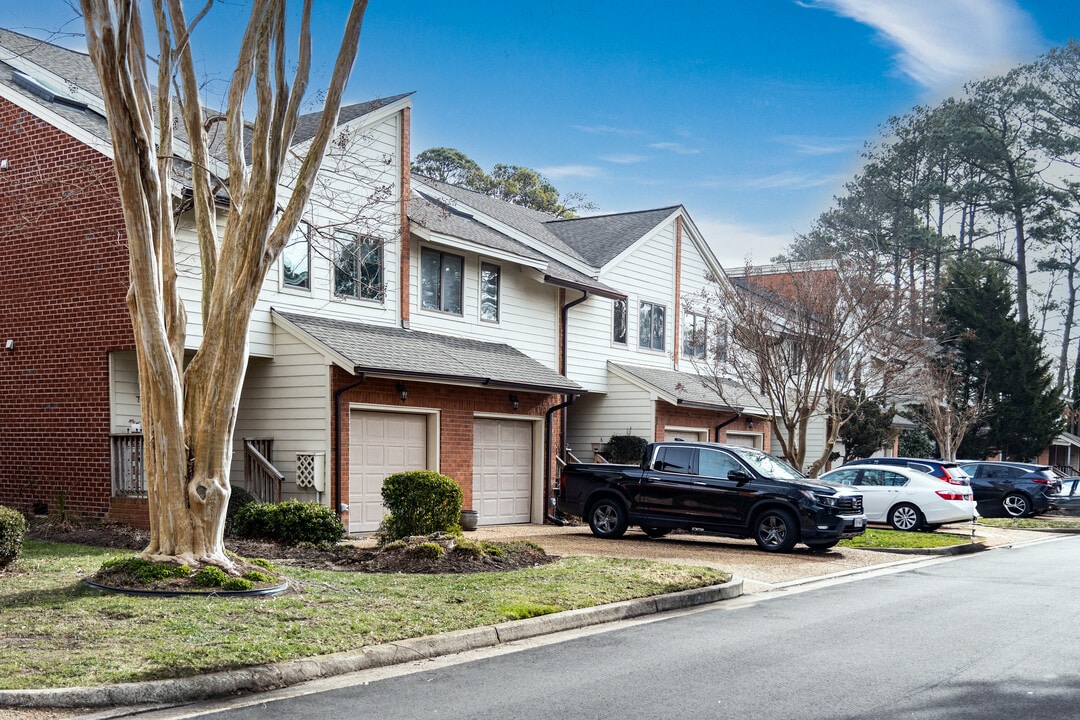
[402,391]
[514,402]
[749,423]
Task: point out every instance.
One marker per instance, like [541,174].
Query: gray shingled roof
[690,389]
[395,351]
[307,124]
[437,217]
[600,238]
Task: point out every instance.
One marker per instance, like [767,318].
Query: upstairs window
[695,336]
[490,279]
[441,280]
[651,326]
[296,261]
[358,266]
[618,321]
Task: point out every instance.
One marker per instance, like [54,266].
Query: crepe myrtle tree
[802,341]
[189,409]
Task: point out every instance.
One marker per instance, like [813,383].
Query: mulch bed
[345,557]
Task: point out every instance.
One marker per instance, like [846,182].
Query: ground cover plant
[56,632]
[1062,522]
[882,538]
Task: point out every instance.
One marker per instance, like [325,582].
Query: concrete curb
[962,549]
[278,675]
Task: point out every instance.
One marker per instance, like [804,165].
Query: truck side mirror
[739,476]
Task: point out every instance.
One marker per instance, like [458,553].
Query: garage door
[380,444]
[745,440]
[685,435]
[502,471]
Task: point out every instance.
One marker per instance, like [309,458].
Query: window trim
[461,290]
[498,292]
[652,332]
[302,231]
[378,290]
[625,303]
[690,329]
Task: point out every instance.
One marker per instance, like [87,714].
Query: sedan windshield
[767,465]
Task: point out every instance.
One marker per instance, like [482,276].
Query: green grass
[56,632]
[879,538]
[1034,523]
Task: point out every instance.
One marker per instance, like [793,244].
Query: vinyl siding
[124,403]
[595,418]
[287,399]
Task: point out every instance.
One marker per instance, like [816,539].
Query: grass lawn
[56,632]
[880,538]
[1035,523]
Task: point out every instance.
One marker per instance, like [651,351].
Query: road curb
[278,675]
[960,549]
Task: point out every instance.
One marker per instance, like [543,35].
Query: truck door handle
[698,482]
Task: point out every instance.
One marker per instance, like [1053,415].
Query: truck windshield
[767,465]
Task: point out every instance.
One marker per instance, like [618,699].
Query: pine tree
[1000,360]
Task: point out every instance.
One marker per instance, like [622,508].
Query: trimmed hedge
[12,532]
[420,502]
[291,522]
[625,449]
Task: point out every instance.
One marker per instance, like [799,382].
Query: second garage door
[380,444]
[502,471]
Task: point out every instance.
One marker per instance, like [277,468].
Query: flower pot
[469,518]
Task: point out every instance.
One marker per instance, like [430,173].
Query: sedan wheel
[776,531]
[905,517]
[1016,505]
[607,519]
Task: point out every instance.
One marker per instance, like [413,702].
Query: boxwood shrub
[291,522]
[12,532]
[420,502]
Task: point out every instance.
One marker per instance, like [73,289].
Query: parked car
[906,498]
[1015,489]
[1067,500]
[948,471]
[712,489]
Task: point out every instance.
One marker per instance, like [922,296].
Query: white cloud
[677,148]
[734,243]
[623,159]
[561,172]
[817,146]
[943,43]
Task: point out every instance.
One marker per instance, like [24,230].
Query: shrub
[237,584]
[625,449]
[256,576]
[238,498]
[432,550]
[209,576]
[291,522]
[12,532]
[420,502]
[469,548]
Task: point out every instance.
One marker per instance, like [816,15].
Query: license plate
[860,522]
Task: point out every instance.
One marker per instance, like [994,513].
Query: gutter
[552,514]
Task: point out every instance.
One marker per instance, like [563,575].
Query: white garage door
[686,435]
[502,471]
[743,439]
[380,444]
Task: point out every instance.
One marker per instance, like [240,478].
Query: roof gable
[601,238]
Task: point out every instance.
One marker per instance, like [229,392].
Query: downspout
[716,431]
[567,401]
[338,394]
[552,511]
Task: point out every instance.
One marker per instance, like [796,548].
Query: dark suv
[1017,489]
[948,471]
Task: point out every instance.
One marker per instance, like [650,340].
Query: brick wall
[457,406]
[63,306]
[668,415]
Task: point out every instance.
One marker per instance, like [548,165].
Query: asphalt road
[981,636]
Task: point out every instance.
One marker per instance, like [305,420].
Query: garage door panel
[502,471]
[380,444]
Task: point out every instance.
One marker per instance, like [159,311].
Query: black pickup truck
[714,489]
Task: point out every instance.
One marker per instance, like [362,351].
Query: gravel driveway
[760,571]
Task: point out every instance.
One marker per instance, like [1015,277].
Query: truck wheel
[607,518]
[655,532]
[776,530]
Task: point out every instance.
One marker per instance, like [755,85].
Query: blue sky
[751,114]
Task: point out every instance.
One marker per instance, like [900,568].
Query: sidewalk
[754,571]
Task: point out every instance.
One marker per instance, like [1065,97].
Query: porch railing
[128,470]
[261,478]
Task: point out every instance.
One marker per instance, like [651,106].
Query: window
[358,266]
[695,336]
[674,460]
[618,321]
[295,260]
[489,292]
[716,464]
[651,326]
[441,281]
